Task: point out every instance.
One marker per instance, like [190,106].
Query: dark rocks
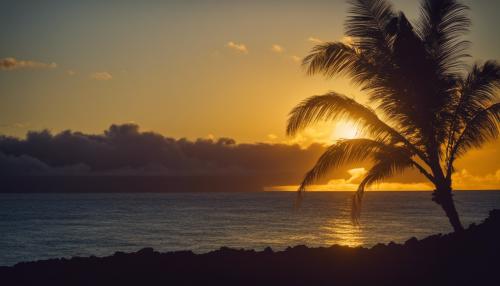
[146,251]
[268,250]
[411,242]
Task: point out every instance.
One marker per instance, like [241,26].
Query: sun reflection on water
[342,231]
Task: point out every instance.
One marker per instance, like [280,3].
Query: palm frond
[478,91]
[332,58]
[368,24]
[376,73]
[333,106]
[388,162]
[482,127]
[344,151]
[441,26]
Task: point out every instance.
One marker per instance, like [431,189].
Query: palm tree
[432,108]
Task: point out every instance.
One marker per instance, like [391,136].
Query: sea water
[42,226]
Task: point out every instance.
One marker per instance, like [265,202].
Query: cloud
[17,125]
[311,135]
[11,63]
[23,164]
[464,180]
[356,175]
[277,48]
[27,165]
[101,76]
[272,136]
[315,40]
[352,182]
[241,48]
[124,149]
[296,59]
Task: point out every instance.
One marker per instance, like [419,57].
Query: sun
[344,130]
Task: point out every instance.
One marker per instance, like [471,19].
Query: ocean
[43,226]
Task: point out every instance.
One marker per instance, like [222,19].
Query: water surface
[41,226]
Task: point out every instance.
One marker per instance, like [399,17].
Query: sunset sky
[194,69]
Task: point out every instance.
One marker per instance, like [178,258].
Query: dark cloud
[123,150]
[13,165]
[27,165]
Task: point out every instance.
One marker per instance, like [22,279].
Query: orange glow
[187,73]
[344,130]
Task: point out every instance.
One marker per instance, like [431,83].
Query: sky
[193,69]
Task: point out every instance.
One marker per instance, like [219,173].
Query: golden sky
[189,69]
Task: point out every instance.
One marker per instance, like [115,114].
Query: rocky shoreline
[467,258]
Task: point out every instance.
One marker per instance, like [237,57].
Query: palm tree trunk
[443,197]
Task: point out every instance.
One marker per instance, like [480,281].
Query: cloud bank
[124,150]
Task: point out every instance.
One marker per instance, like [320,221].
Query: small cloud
[277,48]
[101,76]
[17,125]
[315,40]
[272,136]
[70,72]
[296,59]
[21,125]
[356,175]
[241,48]
[11,63]
[319,134]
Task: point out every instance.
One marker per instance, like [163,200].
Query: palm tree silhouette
[433,110]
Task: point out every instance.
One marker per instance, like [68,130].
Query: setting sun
[344,130]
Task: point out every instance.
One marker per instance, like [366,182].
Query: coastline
[467,258]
